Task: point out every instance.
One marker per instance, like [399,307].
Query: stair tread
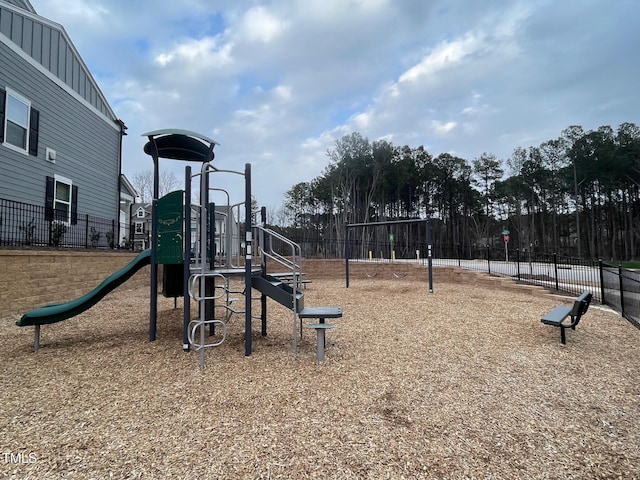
[279,291]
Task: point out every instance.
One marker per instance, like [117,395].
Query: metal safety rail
[280,248]
[283,251]
[286,253]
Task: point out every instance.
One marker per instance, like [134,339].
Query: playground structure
[202,246]
[184,234]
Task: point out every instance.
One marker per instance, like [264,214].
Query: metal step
[278,291]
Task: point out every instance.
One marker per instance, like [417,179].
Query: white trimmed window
[16,125]
[62,199]
[139,227]
[19,123]
[140,213]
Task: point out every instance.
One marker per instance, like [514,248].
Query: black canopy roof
[176,144]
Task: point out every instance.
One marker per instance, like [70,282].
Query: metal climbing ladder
[204,276]
[197,291]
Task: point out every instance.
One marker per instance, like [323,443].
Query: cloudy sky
[277,82]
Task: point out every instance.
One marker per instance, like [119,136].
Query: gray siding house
[60,141]
[141,225]
[128,196]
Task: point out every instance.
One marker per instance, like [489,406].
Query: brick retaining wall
[325,268]
[320,268]
[33,278]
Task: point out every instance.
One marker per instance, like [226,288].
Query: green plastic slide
[62,311]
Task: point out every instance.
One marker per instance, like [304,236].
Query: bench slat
[557,315]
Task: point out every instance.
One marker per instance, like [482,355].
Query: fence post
[621,290]
[518,262]
[555,266]
[459,252]
[86,231]
[601,281]
[346,253]
[488,260]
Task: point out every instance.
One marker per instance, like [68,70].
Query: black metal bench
[557,316]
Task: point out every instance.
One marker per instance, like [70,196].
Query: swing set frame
[425,221]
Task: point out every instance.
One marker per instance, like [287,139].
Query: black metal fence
[26,225]
[556,272]
[611,285]
[621,291]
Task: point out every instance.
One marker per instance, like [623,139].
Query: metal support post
[247,260]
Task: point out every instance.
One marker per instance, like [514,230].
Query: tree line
[576,195]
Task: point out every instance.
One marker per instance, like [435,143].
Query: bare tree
[143,183]
[277,216]
[168,183]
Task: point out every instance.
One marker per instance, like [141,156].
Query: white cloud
[283,92]
[92,13]
[197,53]
[442,128]
[338,11]
[260,25]
[362,121]
[445,55]
[278,81]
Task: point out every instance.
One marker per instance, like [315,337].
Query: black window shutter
[34,129]
[3,102]
[74,205]
[48,199]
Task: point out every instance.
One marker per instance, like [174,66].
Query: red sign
[506,238]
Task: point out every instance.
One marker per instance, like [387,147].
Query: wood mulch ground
[464,383]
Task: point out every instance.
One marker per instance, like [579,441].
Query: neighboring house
[60,141]
[128,195]
[141,225]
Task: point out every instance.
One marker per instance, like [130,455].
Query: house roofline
[113,118]
[128,185]
[28,6]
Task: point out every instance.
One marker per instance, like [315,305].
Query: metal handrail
[284,261]
[294,265]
